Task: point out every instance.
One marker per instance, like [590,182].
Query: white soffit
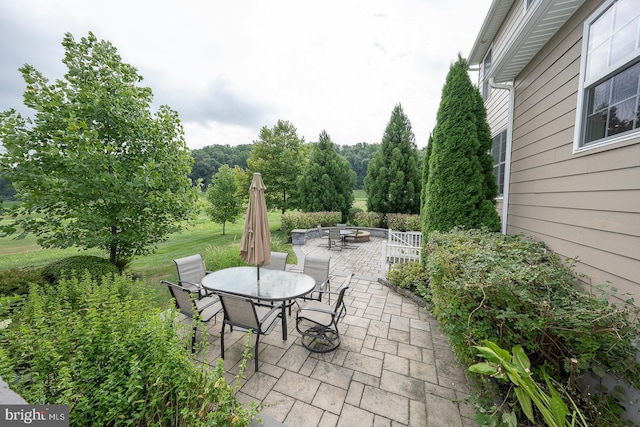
[541,22]
[492,22]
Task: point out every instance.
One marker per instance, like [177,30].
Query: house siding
[586,205]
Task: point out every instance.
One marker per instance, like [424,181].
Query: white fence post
[383,270]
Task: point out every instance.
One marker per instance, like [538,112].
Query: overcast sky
[232,67]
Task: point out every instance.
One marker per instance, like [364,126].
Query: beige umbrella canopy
[255,244]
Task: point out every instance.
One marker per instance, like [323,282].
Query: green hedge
[403,222]
[513,290]
[369,219]
[101,349]
[307,220]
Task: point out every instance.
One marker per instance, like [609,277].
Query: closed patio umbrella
[255,244]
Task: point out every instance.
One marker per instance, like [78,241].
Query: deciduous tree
[279,155]
[224,203]
[95,168]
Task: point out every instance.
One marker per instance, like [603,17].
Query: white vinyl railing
[401,246]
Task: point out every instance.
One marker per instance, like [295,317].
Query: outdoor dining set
[258,296]
[249,301]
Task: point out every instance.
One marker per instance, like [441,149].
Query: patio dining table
[274,285]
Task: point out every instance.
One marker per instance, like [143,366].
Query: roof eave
[540,24]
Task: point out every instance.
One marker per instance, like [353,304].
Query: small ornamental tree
[327,181]
[393,178]
[224,203]
[279,156]
[460,189]
[95,168]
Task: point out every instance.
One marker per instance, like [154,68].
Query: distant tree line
[209,159]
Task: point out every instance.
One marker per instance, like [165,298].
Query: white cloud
[230,68]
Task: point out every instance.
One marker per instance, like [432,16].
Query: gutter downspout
[507,160]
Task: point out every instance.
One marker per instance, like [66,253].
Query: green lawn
[202,234]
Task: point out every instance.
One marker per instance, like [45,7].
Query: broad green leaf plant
[515,367]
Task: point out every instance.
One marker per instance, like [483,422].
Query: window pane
[597,60]
[624,41]
[599,97]
[596,126]
[626,10]
[600,30]
[625,84]
[622,117]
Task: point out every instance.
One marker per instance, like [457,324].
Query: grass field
[200,235]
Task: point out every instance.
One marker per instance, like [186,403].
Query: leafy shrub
[114,360]
[403,222]
[16,281]
[411,276]
[369,219]
[307,220]
[352,215]
[77,265]
[512,290]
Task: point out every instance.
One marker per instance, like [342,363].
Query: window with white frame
[486,66]
[527,4]
[499,154]
[610,74]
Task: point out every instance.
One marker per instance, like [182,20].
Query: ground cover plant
[100,348]
[514,291]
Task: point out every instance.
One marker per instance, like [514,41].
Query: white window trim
[582,84]
[504,130]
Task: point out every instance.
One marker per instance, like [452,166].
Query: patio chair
[191,303]
[317,267]
[278,261]
[191,270]
[317,322]
[336,240]
[242,312]
[322,234]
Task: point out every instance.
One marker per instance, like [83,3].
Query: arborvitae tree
[224,203]
[327,180]
[460,189]
[425,178]
[279,155]
[393,179]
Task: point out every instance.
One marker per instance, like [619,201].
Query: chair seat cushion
[208,307]
[267,323]
[317,312]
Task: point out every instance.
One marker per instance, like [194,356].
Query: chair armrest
[202,292]
[317,309]
[270,312]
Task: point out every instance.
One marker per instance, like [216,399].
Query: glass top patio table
[274,285]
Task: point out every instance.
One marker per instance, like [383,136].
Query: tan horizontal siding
[621,223]
[584,205]
[604,201]
[600,266]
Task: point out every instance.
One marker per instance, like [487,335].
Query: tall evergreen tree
[425,178]
[460,189]
[393,179]
[327,180]
[279,155]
